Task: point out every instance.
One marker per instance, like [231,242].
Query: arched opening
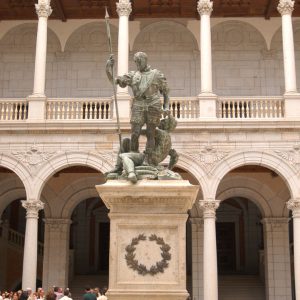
[89,244]
[74,217]
[240,247]
[12,231]
[252,224]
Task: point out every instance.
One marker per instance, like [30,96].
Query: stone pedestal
[148,238]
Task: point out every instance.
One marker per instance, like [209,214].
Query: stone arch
[239,51]
[264,159]
[171,48]
[85,55]
[187,163]
[69,159]
[247,188]
[19,169]
[17,51]
[11,190]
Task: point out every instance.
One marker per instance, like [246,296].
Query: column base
[37,107]
[148,238]
[208,105]
[292,105]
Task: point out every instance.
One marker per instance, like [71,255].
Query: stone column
[197,257]
[294,205]
[207,98]
[277,258]
[123,9]
[37,101]
[56,253]
[210,269]
[292,98]
[147,255]
[31,243]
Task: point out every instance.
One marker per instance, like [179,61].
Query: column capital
[43,9]
[294,206]
[286,7]
[209,207]
[205,7]
[32,208]
[124,8]
[56,224]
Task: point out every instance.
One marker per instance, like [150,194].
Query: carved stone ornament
[209,208]
[57,224]
[108,156]
[294,206]
[208,157]
[292,156]
[124,8]
[33,157]
[276,223]
[32,208]
[286,7]
[205,7]
[43,9]
[141,269]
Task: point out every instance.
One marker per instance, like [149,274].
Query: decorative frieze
[208,157]
[294,206]
[32,208]
[43,9]
[209,207]
[34,157]
[205,7]
[124,8]
[286,7]
[292,156]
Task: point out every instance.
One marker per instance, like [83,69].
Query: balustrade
[13,109]
[250,107]
[79,109]
[182,108]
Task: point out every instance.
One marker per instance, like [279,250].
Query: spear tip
[106,13]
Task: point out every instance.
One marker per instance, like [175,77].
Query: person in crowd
[58,292]
[15,296]
[50,295]
[67,295]
[102,294]
[24,295]
[40,295]
[89,295]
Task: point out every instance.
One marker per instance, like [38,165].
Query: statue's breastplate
[144,85]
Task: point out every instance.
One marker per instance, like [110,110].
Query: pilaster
[277,258]
[56,253]
[294,206]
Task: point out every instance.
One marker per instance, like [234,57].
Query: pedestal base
[148,238]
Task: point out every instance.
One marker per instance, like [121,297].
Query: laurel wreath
[134,264]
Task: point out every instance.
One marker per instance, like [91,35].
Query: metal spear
[113,77]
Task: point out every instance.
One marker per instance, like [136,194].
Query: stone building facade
[234,92]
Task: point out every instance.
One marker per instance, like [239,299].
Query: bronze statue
[147,85]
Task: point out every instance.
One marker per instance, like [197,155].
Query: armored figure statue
[147,84]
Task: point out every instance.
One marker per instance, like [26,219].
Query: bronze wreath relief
[134,264]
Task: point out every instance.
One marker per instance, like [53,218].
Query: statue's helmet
[140,57]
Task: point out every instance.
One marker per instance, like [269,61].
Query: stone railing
[79,109]
[13,109]
[17,239]
[184,107]
[250,107]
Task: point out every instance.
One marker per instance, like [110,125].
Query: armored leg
[135,134]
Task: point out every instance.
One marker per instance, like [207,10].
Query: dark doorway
[226,247]
[104,229]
